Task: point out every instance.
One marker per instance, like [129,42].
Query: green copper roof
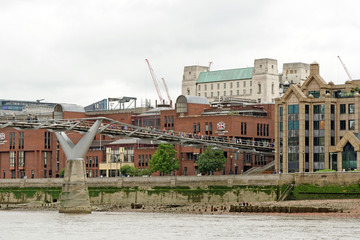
[225,75]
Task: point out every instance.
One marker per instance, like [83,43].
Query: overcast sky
[82,51]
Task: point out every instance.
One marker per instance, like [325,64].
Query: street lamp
[231,171]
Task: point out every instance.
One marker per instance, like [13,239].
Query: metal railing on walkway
[114,128]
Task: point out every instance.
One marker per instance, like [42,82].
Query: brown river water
[132,225]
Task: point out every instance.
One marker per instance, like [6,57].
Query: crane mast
[155,81]
[166,89]
[345,68]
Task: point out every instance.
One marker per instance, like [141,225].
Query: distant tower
[295,73]
[191,73]
[265,80]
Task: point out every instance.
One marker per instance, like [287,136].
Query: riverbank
[349,208]
[346,208]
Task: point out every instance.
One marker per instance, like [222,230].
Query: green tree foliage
[211,160]
[62,173]
[164,160]
[132,171]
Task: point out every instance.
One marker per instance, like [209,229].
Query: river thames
[129,225]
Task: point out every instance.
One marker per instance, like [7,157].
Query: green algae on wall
[307,191]
[29,194]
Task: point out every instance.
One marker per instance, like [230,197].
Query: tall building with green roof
[259,83]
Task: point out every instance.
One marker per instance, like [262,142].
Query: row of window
[21,140]
[92,173]
[319,109]
[262,129]
[169,121]
[144,160]
[92,161]
[231,93]
[351,108]
[224,85]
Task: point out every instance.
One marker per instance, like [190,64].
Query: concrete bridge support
[74,197]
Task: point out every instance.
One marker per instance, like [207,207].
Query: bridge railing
[116,128]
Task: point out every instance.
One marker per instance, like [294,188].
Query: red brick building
[37,153]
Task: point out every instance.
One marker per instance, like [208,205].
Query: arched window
[349,157]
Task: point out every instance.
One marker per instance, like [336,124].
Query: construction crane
[166,89]
[345,68]
[155,81]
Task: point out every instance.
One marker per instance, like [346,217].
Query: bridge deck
[114,128]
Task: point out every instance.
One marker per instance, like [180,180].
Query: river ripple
[128,225]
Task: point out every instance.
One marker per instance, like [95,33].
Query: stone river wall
[179,190]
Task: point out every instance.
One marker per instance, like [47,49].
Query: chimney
[314,68]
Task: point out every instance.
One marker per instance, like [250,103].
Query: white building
[260,83]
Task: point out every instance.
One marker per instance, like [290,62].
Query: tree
[128,170]
[62,173]
[164,160]
[132,171]
[211,160]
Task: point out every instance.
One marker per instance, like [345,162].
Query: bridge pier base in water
[74,197]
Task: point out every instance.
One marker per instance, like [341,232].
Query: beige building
[295,73]
[317,126]
[260,83]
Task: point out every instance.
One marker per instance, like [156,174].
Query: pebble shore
[349,208]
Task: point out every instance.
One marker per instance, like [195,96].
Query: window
[319,109]
[224,93]
[272,88]
[205,86]
[199,87]
[12,159]
[342,108]
[281,111]
[21,140]
[211,94]
[218,86]
[332,109]
[231,92]
[45,159]
[12,140]
[351,124]
[351,108]
[224,85]
[47,140]
[212,87]
[316,125]
[293,109]
[259,89]
[21,159]
[231,85]
[316,94]
[342,124]
[237,84]
[237,92]
[244,83]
